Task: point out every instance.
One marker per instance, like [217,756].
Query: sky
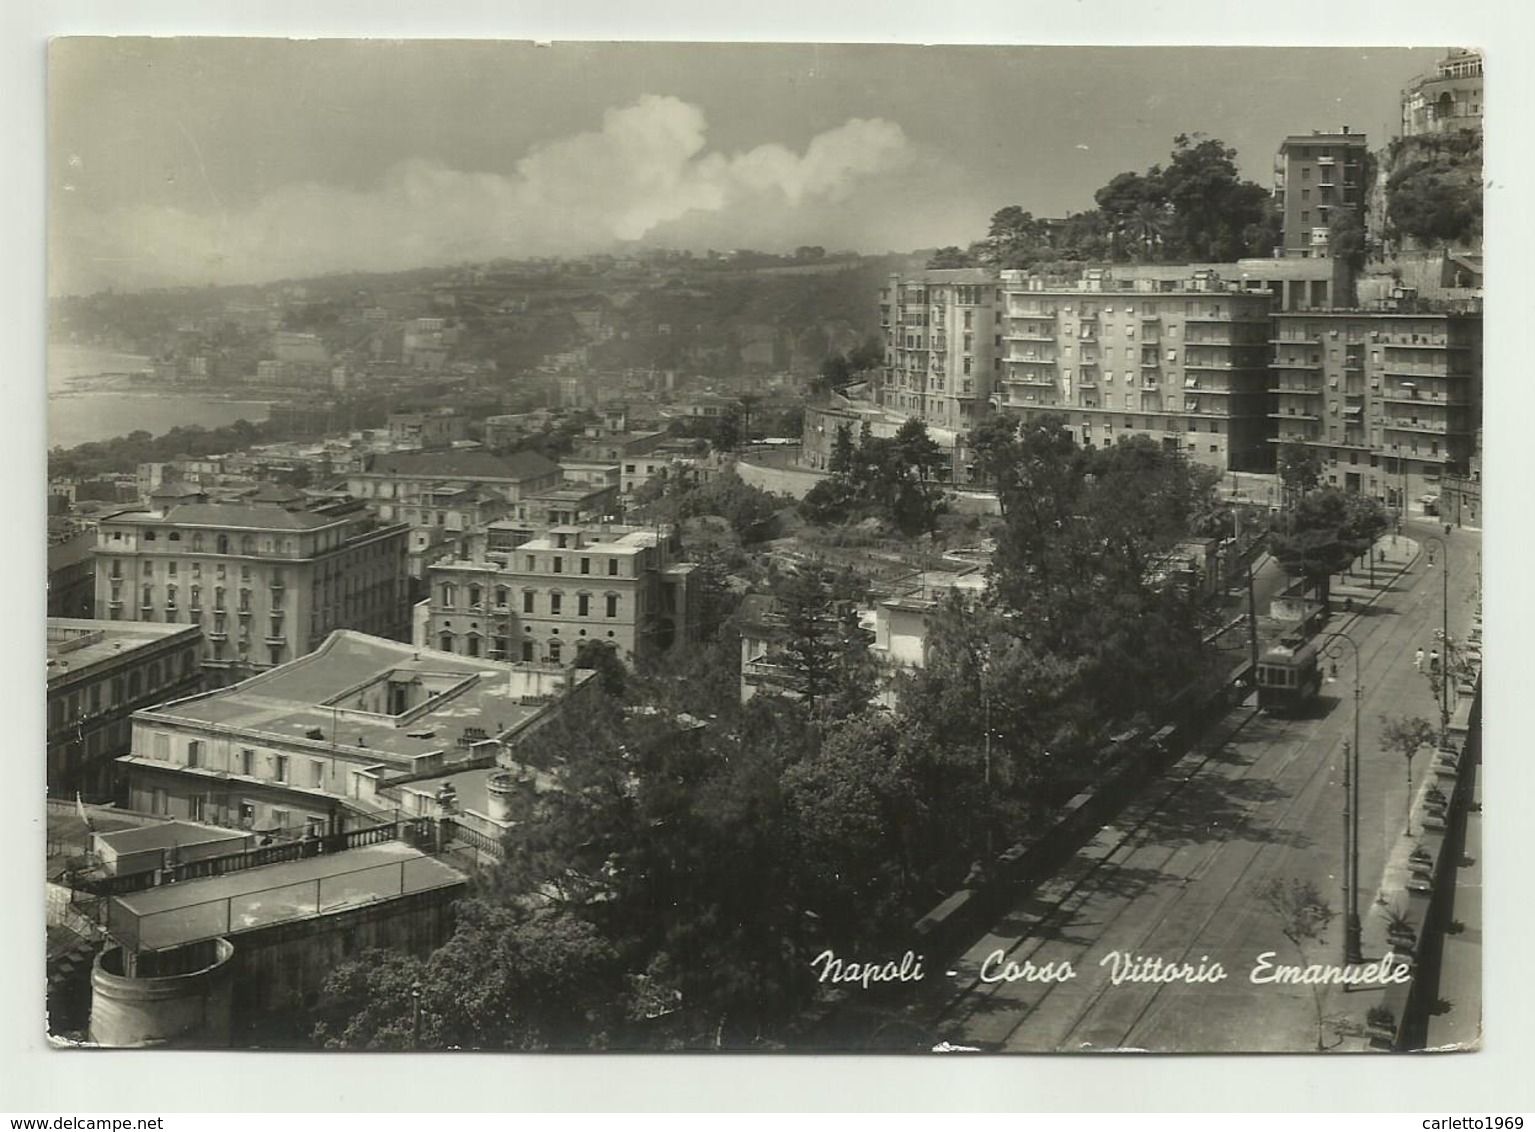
[193,161]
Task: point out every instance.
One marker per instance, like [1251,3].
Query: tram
[1289,677]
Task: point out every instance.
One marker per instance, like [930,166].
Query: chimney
[1345,129]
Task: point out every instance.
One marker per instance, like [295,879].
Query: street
[1259,798]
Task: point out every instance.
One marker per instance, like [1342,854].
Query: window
[554,651]
[559,564]
[554,602]
[162,747]
[612,605]
[527,650]
[445,642]
[527,601]
[532,562]
[501,596]
[280,818]
[280,767]
[476,597]
[473,644]
[583,605]
[586,565]
[613,567]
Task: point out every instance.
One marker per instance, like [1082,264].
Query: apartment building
[99,673]
[266,583]
[1316,177]
[1182,361]
[322,743]
[538,598]
[1448,98]
[1391,400]
[942,345]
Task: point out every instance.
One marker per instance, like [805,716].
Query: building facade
[1391,401]
[1316,178]
[318,744]
[1184,362]
[942,345]
[99,673]
[1449,98]
[537,598]
[264,583]
[393,482]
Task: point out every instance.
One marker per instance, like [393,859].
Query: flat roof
[106,639]
[166,835]
[175,914]
[289,701]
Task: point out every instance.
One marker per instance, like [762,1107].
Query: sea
[86,403]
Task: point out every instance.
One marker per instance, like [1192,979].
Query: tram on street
[1289,677]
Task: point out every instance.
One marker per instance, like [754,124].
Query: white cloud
[646,167]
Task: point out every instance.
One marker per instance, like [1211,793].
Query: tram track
[1273,762]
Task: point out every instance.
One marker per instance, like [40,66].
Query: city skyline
[321,156]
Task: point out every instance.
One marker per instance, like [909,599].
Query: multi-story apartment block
[539,598]
[1183,362]
[1390,400]
[265,583]
[942,345]
[1450,98]
[318,743]
[99,673]
[1316,177]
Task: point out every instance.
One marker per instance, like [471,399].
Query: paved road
[1175,877]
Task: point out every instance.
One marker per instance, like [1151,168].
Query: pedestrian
[1417,661]
[1433,661]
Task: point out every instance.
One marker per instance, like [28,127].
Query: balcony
[217,635]
[277,639]
[1290,391]
[1293,417]
[1436,428]
[1297,340]
[1036,382]
[1290,363]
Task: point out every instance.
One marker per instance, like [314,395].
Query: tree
[1302,915]
[1213,209]
[602,658]
[1346,238]
[1406,736]
[1434,195]
[1300,469]
[949,257]
[728,433]
[507,979]
[1083,560]
[825,651]
[994,445]
[1319,538]
[840,462]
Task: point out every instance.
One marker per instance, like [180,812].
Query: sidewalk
[1399,551]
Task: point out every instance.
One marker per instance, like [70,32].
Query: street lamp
[1352,931]
[1444,633]
[415,1015]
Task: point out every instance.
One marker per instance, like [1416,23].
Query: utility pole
[1352,943]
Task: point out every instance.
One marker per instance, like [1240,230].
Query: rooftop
[232,516]
[337,697]
[469,463]
[76,643]
[167,835]
[176,914]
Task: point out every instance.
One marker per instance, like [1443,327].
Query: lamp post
[1352,945]
[1444,634]
[415,1015]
